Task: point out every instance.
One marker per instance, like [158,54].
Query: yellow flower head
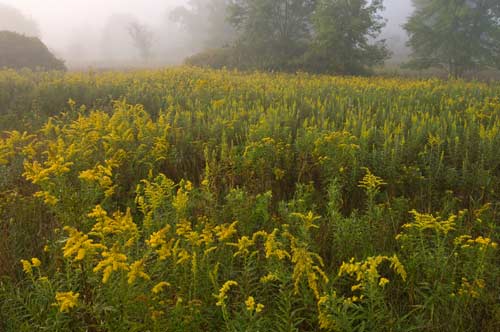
[112,261]
[27,267]
[383,282]
[250,303]
[225,232]
[66,301]
[36,262]
[222,296]
[159,287]
[370,181]
[137,271]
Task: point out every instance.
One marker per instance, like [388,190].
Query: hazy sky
[58,18]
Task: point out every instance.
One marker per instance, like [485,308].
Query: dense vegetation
[343,37]
[18,51]
[460,36]
[197,200]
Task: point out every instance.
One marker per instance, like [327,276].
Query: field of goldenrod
[195,200]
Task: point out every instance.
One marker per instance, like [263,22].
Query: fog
[97,32]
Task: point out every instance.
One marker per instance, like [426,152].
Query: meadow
[198,200]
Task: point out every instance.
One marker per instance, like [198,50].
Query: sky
[59,18]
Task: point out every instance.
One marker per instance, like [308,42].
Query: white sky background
[57,19]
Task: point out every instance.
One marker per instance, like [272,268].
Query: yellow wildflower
[273,247]
[243,244]
[27,267]
[182,256]
[250,303]
[66,301]
[158,239]
[307,265]
[79,244]
[252,306]
[36,262]
[225,231]
[119,223]
[222,296]
[383,282]
[268,278]
[137,271]
[47,197]
[428,221]
[370,181]
[159,287]
[113,261]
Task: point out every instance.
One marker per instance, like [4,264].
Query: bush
[18,51]
[214,58]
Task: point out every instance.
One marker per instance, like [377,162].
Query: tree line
[340,36]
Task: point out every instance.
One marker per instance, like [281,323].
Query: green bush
[18,51]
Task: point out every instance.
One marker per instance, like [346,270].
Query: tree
[457,35]
[206,22]
[18,51]
[116,45]
[142,38]
[274,33]
[345,36]
[11,19]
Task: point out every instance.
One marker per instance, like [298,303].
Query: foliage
[272,32]
[188,199]
[291,35]
[18,51]
[205,21]
[343,34]
[457,35]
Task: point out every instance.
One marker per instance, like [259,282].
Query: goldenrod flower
[159,287]
[137,271]
[243,244]
[27,267]
[425,221]
[250,303]
[66,300]
[268,278]
[113,261]
[79,244]
[222,296]
[225,232]
[36,262]
[370,181]
[307,265]
[47,197]
[383,282]
[252,306]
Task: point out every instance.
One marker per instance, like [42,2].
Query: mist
[96,33]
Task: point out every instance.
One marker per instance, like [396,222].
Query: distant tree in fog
[11,19]
[458,35]
[345,36]
[275,33]
[142,38]
[206,22]
[116,44]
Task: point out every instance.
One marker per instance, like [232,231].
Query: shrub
[18,51]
